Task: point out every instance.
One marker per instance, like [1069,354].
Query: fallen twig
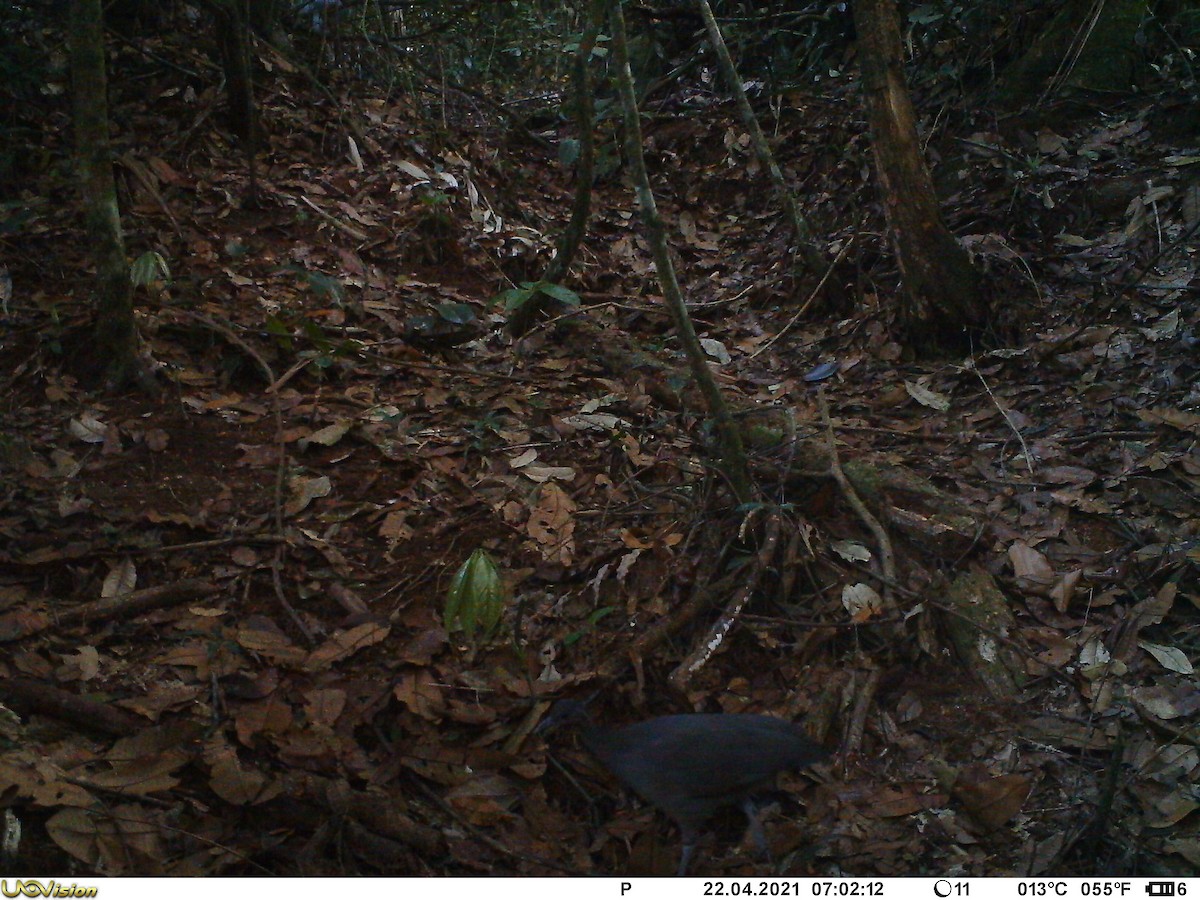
[16,627]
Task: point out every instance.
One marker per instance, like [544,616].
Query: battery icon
[1161,889]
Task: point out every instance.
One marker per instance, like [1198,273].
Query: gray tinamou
[689,766]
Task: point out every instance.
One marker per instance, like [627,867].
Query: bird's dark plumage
[689,766]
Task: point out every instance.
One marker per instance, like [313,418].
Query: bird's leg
[689,846]
[756,829]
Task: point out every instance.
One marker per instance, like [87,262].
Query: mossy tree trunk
[233,38]
[232,19]
[941,287]
[807,251]
[733,461]
[538,303]
[115,336]
[585,116]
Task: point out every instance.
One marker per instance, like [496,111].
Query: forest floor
[345,420]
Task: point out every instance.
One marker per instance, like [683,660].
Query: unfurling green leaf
[476,599]
[149,268]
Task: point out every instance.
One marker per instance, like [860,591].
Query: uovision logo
[44,889]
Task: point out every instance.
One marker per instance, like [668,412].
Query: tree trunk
[942,299]
[234,40]
[524,316]
[813,260]
[233,37]
[115,337]
[733,460]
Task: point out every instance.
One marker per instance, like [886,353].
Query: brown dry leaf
[251,685]
[1150,611]
[470,713]
[1066,733]
[1166,702]
[552,525]
[124,839]
[176,518]
[246,557]
[268,716]
[75,831]
[313,746]
[33,664]
[221,660]
[1064,590]
[1187,847]
[862,602]
[151,741]
[44,555]
[83,665]
[1167,764]
[1170,810]
[1043,854]
[1059,651]
[259,456]
[633,540]
[485,800]
[193,655]
[157,440]
[121,579]
[323,706]
[232,782]
[346,643]
[148,775]
[143,763]
[327,436]
[40,781]
[419,691]
[163,171]
[163,698]
[904,800]
[1166,415]
[992,802]
[304,491]
[1171,658]
[1033,570]
[260,635]
[395,528]
[549,821]
[19,624]
[1076,475]
[1161,493]
[349,601]
[421,650]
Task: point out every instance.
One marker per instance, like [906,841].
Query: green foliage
[326,287]
[476,599]
[322,352]
[149,269]
[954,41]
[514,298]
[761,437]
[434,198]
[592,621]
[484,430]
[456,313]
[568,152]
